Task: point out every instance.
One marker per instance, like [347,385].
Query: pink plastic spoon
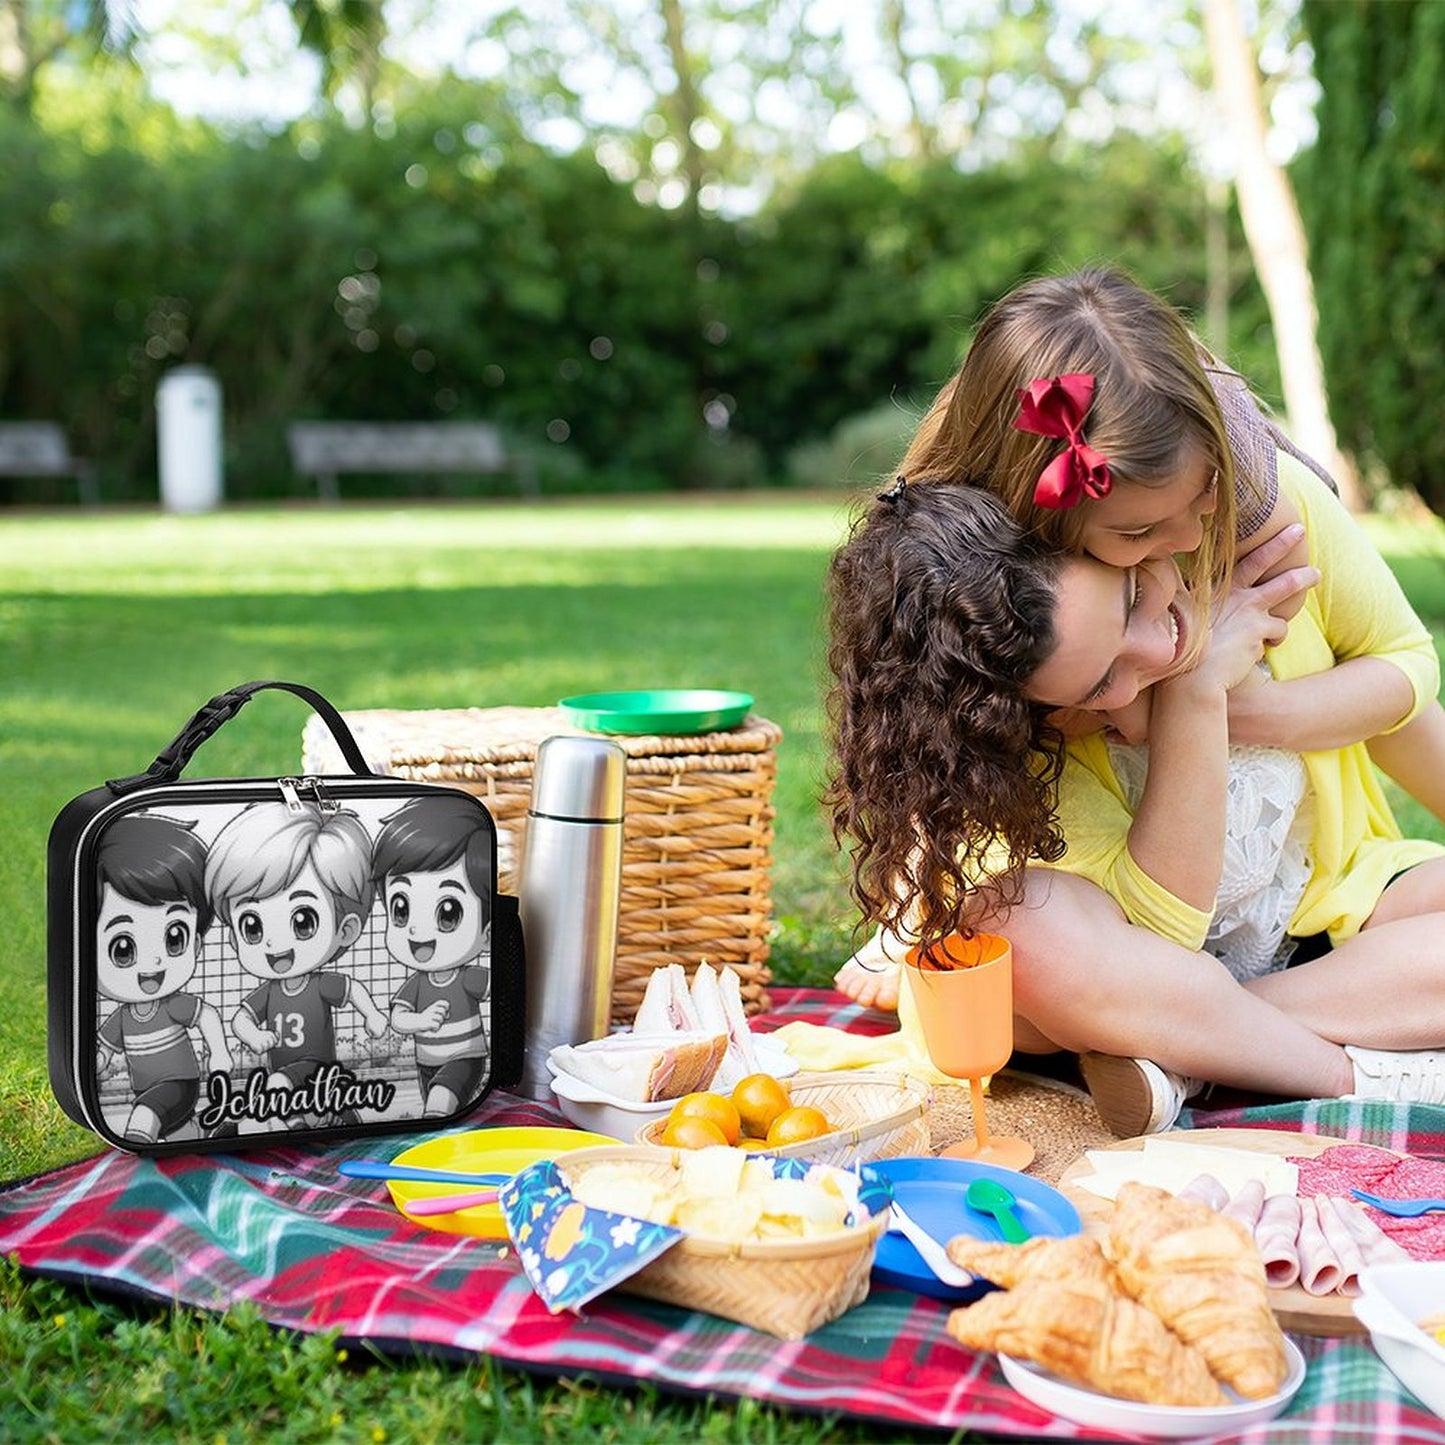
[450,1203]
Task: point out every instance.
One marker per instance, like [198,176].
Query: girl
[1189,466]
[956,636]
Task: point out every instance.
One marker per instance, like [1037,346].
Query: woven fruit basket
[875,1116]
[785,1287]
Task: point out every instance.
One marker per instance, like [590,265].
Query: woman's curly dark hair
[944,773]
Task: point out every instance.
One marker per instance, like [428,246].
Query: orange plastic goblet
[963,991]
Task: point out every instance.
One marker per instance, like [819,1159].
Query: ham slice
[1317,1240]
[1207,1190]
[1276,1234]
[1320,1271]
[1247,1204]
[1376,1247]
[1341,1241]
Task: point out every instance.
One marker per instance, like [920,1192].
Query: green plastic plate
[660,710]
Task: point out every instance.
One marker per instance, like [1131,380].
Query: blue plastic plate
[932,1191]
[658,710]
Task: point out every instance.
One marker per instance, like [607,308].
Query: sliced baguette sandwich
[645,1068]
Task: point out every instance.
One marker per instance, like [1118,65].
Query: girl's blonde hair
[1152,402]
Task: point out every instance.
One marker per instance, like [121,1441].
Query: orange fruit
[795,1124]
[715,1108]
[692,1133]
[760,1098]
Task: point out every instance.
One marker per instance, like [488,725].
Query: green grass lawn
[113,628]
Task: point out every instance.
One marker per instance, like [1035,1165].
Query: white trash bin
[188,425]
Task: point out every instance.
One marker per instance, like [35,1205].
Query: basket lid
[657,711]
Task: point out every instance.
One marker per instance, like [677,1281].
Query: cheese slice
[1171,1163]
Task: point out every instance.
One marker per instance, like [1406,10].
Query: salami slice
[1345,1167]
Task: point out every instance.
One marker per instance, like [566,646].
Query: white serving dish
[588,1107]
[1154,1422]
[1393,1299]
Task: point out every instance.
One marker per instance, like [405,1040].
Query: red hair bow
[1056,407]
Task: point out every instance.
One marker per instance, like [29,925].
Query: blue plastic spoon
[380,1169]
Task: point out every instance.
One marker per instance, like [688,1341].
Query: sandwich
[713,1003]
[667,1006]
[644,1068]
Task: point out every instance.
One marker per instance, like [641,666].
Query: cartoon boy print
[294,888]
[433,863]
[153,911]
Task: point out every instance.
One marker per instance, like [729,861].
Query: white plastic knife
[932,1252]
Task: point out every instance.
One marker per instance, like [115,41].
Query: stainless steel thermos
[571,880]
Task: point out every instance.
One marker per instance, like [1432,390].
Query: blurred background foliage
[1371,190]
[757,277]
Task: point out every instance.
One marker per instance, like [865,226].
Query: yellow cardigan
[1358,610]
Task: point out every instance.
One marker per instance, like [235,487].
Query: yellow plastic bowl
[480,1151]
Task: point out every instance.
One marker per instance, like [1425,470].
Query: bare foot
[870,977]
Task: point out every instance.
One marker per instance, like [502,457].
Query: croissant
[1079,1256]
[1090,1335]
[1202,1275]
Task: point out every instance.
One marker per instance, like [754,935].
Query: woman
[1165,453]
[956,637]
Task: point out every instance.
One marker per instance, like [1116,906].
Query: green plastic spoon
[988,1196]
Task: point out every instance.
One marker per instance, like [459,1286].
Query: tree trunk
[1276,239]
[1216,266]
[686,109]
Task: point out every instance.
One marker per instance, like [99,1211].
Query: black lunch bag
[244,961]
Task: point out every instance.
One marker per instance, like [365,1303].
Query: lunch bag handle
[221,709]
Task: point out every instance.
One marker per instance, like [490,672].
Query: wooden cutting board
[1295,1308]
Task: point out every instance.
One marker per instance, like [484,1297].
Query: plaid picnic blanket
[314,1251]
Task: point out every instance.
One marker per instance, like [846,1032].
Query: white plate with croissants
[1163,1422]
[1162,1326]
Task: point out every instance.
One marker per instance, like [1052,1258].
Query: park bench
[39,449]
[325,450]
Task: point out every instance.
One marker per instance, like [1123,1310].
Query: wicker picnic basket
[785,1287]
[876,1116]
[697,837]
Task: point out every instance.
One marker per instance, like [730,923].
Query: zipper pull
[290,793]
[325,803]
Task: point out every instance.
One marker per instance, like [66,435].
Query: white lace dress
[1266,852]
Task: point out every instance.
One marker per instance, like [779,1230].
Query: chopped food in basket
[607,1217]
[570,1251]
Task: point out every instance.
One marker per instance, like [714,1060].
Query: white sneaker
[1406,1076]
[1135,1096]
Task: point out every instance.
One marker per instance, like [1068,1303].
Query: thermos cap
[581,778]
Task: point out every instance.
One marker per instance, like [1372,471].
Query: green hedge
[447,268]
